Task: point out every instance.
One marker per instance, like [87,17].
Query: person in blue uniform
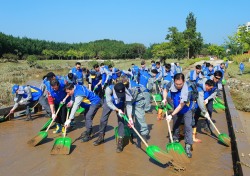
[79,94]
[181,95]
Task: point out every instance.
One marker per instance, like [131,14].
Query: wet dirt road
[245,119]
[18,158]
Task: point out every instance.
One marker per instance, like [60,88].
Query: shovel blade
[177,147]
[225,139]
[158,154]
[158,97]
[38,138]
[61,146]
[177,151]
[46,125]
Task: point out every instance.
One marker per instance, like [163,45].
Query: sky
[131,21]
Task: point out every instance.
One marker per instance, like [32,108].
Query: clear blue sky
[142,21]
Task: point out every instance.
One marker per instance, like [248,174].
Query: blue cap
[15,88]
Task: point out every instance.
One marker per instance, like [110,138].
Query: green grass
[238,86]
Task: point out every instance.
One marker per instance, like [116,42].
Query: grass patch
[239,85]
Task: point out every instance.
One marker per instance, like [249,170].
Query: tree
[176,40]
[193,39]
[163,50]
[216,50]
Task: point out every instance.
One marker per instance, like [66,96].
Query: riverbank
[239,86]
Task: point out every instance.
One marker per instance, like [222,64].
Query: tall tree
[193,39]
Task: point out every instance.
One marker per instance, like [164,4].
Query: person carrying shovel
[80,94]
[206,93]
[181,95]
[25,95]
[56,95]
[117,97]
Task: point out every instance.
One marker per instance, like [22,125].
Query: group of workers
[127,92]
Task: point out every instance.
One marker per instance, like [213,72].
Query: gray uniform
[43,100]
[137,110]
[19,100]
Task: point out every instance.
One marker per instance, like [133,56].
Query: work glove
[67,123]
[130,123]
[207,115]
[62,102]
[205,101]
[120,112]
[164,101]
[169,117]
[70,104]
[53,116]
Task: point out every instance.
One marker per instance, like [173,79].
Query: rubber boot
[188,149]
[86,136]
[119,145]
[159,115]
[28,118]
[58,128]
[194,136]
[100,140]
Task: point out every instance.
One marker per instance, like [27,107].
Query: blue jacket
[183,95]
[119,104]
[143,79]
[78,74]
[35,93]
[81,90]
[60,94]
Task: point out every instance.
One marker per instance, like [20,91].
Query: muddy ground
[18,158]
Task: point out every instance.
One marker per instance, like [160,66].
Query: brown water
[18,158]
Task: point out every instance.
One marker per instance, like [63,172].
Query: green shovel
[176,149]
[62,145]
[153,151]
[224,138]
[46,124]
[42,134]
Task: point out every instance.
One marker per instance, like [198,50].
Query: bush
[32,60]
[9,58]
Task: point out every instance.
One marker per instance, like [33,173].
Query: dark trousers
[61,116]
[29,105]
[209,107]
[104,120]
[177,120]
[90,114]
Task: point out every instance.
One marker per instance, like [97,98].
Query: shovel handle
[154,100]
[35,105]
[60,105]
[7,116]
[169,130]
[126,118]
[213,125]
[68,109]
